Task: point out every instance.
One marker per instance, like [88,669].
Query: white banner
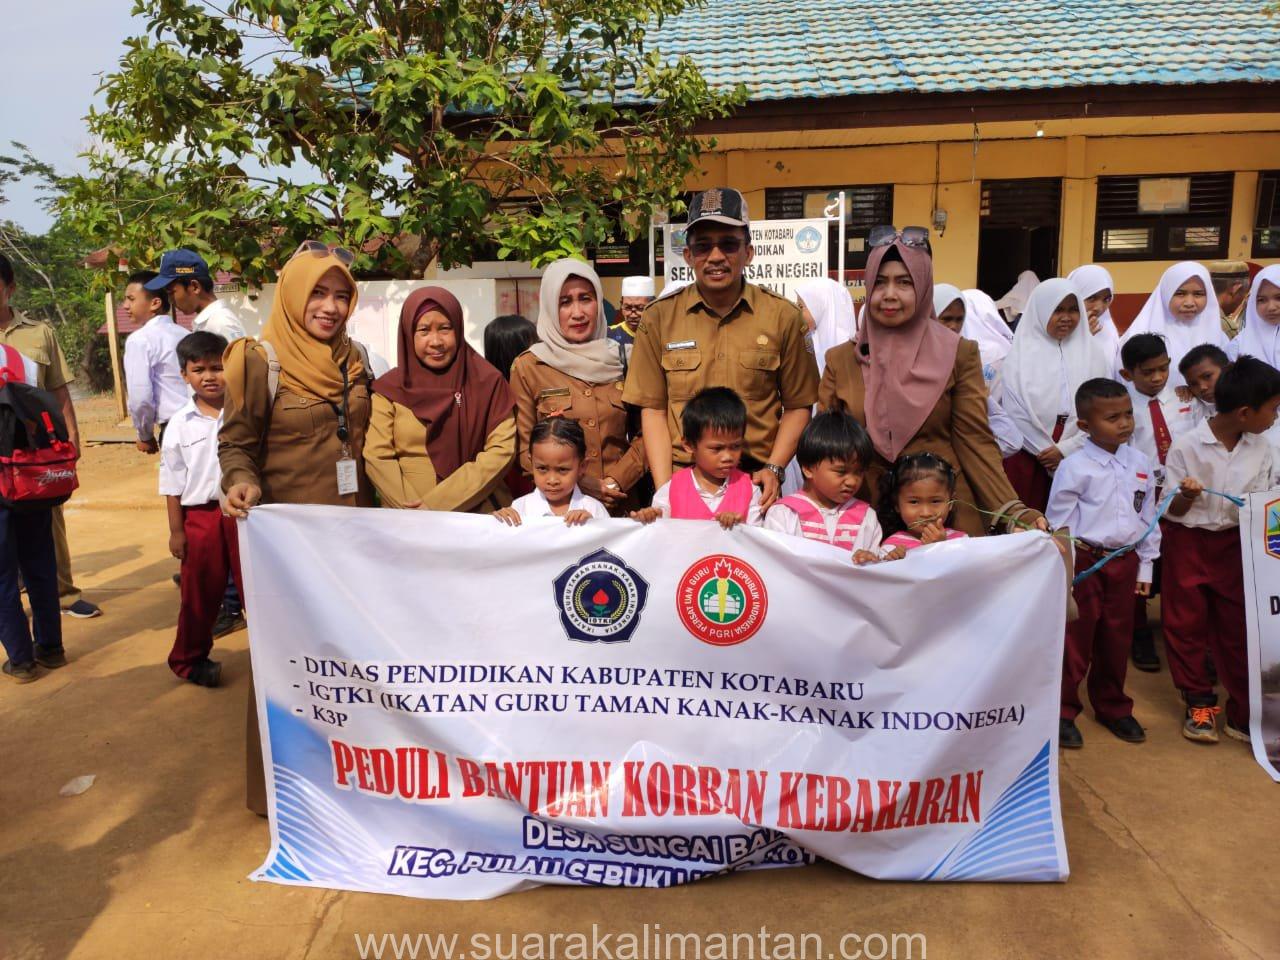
[1260,542]
[787,252]
[452,708]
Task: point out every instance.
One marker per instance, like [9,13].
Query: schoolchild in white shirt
[1105,494]
[557,447]
[156,388]
[1201,368]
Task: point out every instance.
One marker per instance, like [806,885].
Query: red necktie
[1161,429]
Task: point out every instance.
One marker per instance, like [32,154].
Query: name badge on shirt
[347,481]
[682,345]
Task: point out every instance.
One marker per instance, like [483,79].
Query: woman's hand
[646,515]
[508,516]
[610,493]
[1049,458]
[576,518]
[241,498]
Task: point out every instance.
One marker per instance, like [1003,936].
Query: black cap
[718,205]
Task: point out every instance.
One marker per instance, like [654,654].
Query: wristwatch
[777,471]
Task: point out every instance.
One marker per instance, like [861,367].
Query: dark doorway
[1018,231]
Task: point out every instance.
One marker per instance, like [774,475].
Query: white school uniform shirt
[1249,468]
[534,505]
[1108,499]
[782,519]
[662,500]
[1179,417]
[218,318]
[189,457]
[1201,411]
[152,374]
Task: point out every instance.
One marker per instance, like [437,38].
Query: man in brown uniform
[721,331]
[1231,284]
[35,340]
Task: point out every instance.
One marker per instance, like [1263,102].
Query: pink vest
[907,542]
[687,503]
[815,528]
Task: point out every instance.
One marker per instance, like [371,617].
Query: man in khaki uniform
[35,340]
[721,331]
[1231,285]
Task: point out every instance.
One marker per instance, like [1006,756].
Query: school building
[1026,134]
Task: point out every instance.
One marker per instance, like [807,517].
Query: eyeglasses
[318,248]
[728,246]
[887,233]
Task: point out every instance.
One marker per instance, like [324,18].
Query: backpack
[37,461]
[273,364]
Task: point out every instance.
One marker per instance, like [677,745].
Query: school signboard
[1260,542]
[787,252]
[452,708]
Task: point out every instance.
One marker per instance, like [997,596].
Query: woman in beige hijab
[577,372]
[295,435]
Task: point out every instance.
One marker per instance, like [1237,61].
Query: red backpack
[37,461]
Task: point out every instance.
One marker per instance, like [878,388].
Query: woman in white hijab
[1053,353]
[1261,334]
[828,309]
[576,371]
[1184,310]
[1097,289]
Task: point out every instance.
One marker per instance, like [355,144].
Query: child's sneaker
[1201,724]
[1235,733]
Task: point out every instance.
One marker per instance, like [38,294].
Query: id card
[347,480]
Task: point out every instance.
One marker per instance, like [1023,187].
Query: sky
[52,53]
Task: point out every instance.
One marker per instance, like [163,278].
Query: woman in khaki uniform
[918,387]
[577,372]
[304,444]
[443,431]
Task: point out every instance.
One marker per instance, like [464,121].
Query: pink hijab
[907,367]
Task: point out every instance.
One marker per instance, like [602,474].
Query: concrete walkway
[1172,845]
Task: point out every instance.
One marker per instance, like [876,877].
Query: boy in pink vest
[714,424]
[833,455]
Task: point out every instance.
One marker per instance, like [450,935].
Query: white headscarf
[945,294]
[1155,317]
[596,360]
[673,286]
[1259,338]
[984,325]
[832,310]
[1041,375]
[1089,280]
[1015,301]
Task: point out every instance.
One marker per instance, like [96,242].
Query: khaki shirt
[541,391]
[759,350]
[35,340]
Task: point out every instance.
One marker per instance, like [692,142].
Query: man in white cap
[637,293]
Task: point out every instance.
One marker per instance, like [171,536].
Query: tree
[447,127]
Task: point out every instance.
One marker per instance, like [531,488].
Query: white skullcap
[637,286]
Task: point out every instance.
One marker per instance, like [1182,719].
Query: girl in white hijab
[1261,334]
[945,297]
[1014,302]
[1184,310]
[1053,353]
[1096,289]
[830,310]
[984,325]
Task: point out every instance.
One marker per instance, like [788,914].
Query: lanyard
[343,412]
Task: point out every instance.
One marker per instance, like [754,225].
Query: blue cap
[179,265]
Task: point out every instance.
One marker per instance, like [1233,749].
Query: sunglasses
[318,248]
[887,233]
[728,246]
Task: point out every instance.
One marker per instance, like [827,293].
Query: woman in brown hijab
[303,444]
[918,387]
[443,432]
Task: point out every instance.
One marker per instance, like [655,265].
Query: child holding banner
[917,496]
[557,449]
[1105,494]
[1203,570]
[833,454]
[714,424]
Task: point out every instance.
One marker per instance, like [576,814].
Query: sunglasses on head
[728,246]
[318,248]
[887,233]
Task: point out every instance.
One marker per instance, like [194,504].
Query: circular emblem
[600,598]
[721,600]
[808,240]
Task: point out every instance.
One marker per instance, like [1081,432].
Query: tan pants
[68,592]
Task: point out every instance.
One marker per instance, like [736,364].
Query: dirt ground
[1171,844]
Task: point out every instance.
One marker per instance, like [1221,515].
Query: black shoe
[177,579]
[206,673]
[1126,728]
[227,623]
[52,659]
[1069,736]
[1144,652]
[20,672]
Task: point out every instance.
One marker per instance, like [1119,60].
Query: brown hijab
[460,405]
[907,367]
